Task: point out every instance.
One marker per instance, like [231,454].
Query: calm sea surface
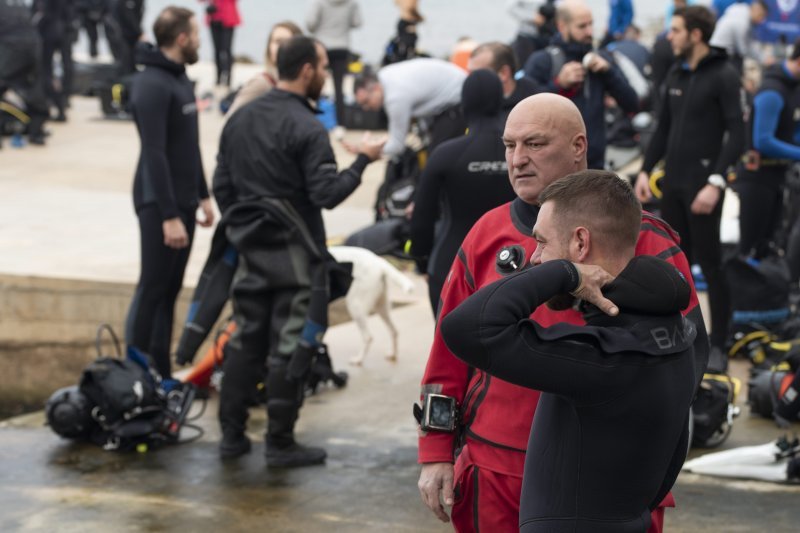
[445,22]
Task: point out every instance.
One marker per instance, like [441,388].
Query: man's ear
[307,72]
[580,244]
[505,73]
[579,146]
[182,39]
[696,36]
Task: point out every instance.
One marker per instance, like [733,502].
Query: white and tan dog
[369,292]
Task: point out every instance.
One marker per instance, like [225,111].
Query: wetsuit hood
[149,55]
[649,286]
[481,95]
[715,54]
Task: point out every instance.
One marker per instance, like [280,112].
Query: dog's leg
[383,309]
[360,318]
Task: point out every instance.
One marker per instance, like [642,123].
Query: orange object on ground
[200,375]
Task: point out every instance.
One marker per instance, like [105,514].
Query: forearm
[328,189]
[491,315]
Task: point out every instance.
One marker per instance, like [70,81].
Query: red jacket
[227,13]
[497,415]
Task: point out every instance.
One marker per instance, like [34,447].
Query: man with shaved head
[477,466]
[570,67]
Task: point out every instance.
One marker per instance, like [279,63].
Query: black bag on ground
[759,289]
[129,404]
[711,411]
[118,388]
[399,183]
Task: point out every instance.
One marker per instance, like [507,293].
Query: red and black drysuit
[496,416]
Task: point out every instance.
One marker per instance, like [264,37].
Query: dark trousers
[127,55]
[339,59]
[20,69]
[57,90]
[90,25]
[760,211]
[223,55]
[149,323]
[700,242]
[272,304]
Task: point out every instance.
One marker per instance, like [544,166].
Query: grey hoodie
[330,21]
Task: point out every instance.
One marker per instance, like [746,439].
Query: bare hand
[706,200]
[593,278]
[208,213]
[642,187]
[175,235]
[433,478]
[571,74]
[598,63]
[369,146]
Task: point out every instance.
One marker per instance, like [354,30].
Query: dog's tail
[396,277]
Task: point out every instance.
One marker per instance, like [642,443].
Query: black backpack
[131,405]
[759,289]
[713,410]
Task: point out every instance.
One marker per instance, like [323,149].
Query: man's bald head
[545,140]
[568,9]
[574,21]
[563,111]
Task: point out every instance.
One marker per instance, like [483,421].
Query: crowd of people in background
[723,104]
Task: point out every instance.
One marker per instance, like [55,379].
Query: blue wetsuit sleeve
[767,107]
[491,330]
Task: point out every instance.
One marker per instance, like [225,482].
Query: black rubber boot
[293,455]
[233,445]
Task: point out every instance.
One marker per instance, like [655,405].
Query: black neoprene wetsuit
[169,183]
[170,170]
[610,431]
[699,107]
[464,178]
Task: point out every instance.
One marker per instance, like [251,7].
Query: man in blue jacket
[620,16]
[571,68]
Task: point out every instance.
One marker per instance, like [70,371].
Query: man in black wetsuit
[55,24]
[463,179]
[499,57]
[169,182]
[275,172]
[20,64]
[610,432]
[128,15]
[702,103]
